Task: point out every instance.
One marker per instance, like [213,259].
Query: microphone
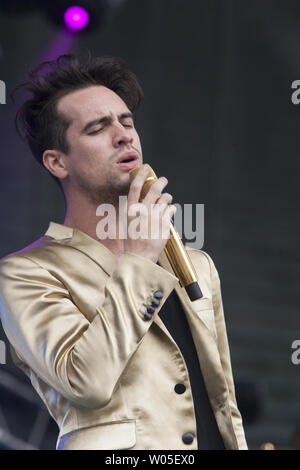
[174,248]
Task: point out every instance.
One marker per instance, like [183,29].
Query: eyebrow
[105,119]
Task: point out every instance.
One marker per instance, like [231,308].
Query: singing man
[119,354]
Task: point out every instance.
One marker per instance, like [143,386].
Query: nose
[121,135]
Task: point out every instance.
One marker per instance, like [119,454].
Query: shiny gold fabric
[73,313]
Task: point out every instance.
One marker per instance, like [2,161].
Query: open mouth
[128,161]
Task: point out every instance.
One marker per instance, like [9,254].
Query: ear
[54,161]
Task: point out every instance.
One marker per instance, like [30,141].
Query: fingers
[137,184]
[164,210]
[165,198]
[154,192]
[165,215]
[170,211]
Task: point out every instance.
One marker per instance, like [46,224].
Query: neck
[95,220]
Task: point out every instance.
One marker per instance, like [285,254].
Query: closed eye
[127,126]
[95,132]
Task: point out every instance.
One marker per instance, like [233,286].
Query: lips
[128,160]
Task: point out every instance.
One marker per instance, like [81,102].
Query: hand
[148,237]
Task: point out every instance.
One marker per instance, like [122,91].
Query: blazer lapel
[89,246]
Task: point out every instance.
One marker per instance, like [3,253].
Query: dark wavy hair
[38,121]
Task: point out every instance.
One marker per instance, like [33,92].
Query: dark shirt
[174,318]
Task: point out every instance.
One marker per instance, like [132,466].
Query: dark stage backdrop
[218,120]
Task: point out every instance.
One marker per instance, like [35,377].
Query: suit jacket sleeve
[82,360]
[225,354]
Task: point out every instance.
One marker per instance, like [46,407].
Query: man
[111,342]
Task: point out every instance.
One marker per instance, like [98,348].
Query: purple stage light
[76,18]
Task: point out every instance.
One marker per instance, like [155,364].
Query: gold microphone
[174,248]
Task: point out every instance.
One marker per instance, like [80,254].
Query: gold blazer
[74,315]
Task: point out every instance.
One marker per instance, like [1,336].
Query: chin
[124,188]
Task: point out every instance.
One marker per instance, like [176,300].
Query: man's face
[100,134]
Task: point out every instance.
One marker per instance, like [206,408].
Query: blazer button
[180,388]
[150,309]
[147,316]
[155,302]
[158,294]
[188,438]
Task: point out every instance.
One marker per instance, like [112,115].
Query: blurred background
[219,121]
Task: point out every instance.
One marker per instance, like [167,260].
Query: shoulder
[29,270]
[32,255]
[202,258]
